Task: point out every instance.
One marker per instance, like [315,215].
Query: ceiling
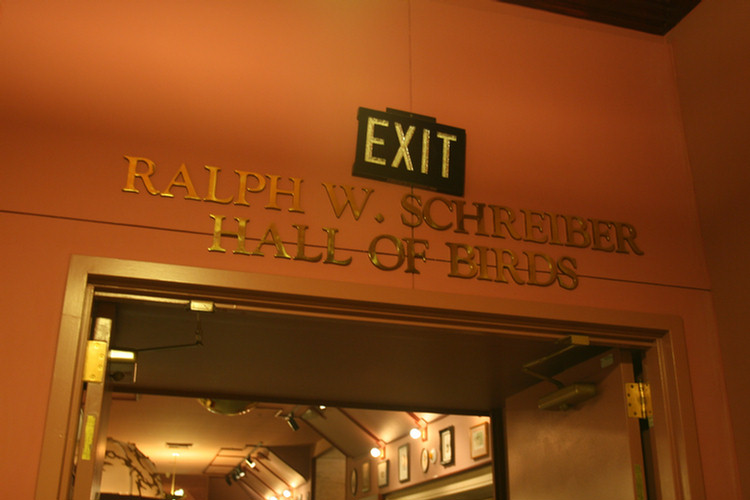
[376,379]
[212,443]
[650,16]
[306,359]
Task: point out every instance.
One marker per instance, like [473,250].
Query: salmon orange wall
[562,116]
[711,51]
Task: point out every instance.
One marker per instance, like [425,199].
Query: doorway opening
[289,346]
[206,397]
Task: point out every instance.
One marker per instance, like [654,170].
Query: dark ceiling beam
[650,16]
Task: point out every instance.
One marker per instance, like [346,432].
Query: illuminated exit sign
[406,148]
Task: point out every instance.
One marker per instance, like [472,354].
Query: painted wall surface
[711,50]
[562,116]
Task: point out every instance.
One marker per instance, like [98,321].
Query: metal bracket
[122,366]
[638,398]
[568,345]
[202,306]
[566,396]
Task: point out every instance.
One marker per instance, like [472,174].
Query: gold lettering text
[504,266]
[219,232]
[428,213]
[534,231]
[213,179]
[350,200]
[577,232]
[412,253]
[274,193]
[600,231]
[271,237]
[412,203]
[503,218]
[182,179]
[372,252]
[626,235]
[301,231]
[331,248]
[461,217]
[462,257]
[549,264]
[260,185]
[145,177]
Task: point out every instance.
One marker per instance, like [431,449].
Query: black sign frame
[407,148]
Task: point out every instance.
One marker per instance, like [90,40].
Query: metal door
[589,451]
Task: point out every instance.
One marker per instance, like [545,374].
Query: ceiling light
[377,451]
[287,493]
[415,433]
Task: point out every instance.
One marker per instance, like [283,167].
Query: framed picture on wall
[382,473]
[478,441]
[353,481]
[403,463]
[365,480]
[447,457]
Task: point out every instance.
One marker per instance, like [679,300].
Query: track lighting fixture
[239,472]
[289,417]
[235,475]
[378,451]
[420,430]
[292,423]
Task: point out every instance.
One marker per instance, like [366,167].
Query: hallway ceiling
[650,16]
[212,444]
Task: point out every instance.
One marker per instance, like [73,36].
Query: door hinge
[96,361]
[638,397]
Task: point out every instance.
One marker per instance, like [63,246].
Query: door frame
[674,438]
